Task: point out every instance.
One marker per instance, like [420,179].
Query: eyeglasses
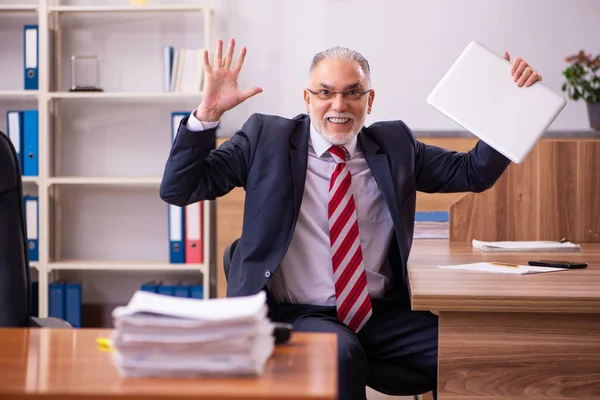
[353,94]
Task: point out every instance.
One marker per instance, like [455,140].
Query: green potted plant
[583,82]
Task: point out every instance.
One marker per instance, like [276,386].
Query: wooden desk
[56,363]
[508,336]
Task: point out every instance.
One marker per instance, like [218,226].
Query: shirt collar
[321,145]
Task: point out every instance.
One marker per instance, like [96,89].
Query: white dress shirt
[305,275]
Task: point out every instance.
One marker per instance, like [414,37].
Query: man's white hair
[341,53]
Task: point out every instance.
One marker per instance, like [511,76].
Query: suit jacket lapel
[378,163]
[299,160]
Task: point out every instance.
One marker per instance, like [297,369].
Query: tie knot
[338,153]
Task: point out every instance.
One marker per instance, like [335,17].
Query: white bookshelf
[63,187]
[133,9]
[18,7]
[30,179]
[106,181]
[18,94]
[139,96]
[124,265]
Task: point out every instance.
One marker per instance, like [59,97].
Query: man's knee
[351,355]
[353,364]
[353,367]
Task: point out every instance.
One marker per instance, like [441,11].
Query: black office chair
[15,281]
[384,378]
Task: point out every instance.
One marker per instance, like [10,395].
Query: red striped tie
[352,298]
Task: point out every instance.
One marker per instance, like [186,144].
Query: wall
[409,44]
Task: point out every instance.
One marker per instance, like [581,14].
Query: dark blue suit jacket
[268,157]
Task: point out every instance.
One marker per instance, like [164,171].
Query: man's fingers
[522,66]
[524,76]
[515,65]
[535,77]
[506,56]
[240,61]
[229,55]
[218,61]
[246,94]
[207,68]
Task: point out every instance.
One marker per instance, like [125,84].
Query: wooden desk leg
[519,356]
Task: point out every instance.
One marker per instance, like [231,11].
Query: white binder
[479,94]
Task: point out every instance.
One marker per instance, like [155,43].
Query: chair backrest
[227,254]
[14,259]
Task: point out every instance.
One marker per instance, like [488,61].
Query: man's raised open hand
[221,91]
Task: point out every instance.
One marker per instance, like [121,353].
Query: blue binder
[30,143]
[14,130]
[56,301]
[30,56]
[176,214]
[431,216]
[197,291]
[73,304]
[176,235]
[181,290]
[167,289]
[150,286]
[31,205]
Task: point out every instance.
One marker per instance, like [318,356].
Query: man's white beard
[337,140]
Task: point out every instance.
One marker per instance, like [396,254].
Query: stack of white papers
[159,335]
[503,269]
[525,246]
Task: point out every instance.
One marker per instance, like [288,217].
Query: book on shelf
[183,70]
[431,225]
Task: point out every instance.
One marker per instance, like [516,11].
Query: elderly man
[330,205]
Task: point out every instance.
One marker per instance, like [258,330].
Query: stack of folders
[164,336]
[177,288]
[185,223]
[431,225]
[183,69]
[64,301]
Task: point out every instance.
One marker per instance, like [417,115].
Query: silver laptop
[479,94]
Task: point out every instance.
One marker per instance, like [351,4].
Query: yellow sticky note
[137,2]
[104,344]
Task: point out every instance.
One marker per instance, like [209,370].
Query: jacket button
[267,274]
